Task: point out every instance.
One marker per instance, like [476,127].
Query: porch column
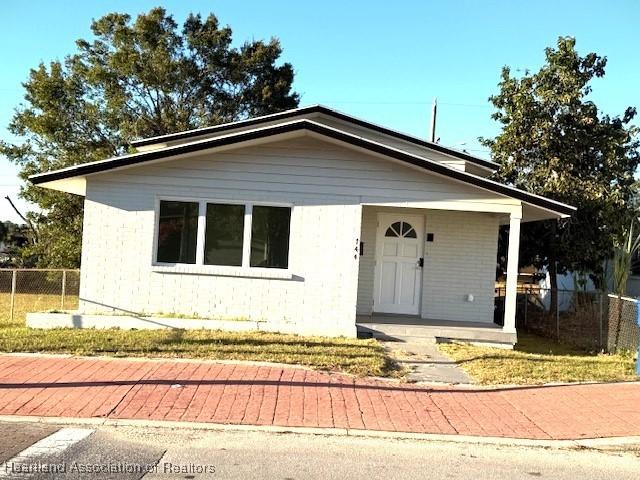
[512,274]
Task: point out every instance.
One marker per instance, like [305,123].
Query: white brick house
[299,221]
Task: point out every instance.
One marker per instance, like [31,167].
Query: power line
[403,102]
[474,105]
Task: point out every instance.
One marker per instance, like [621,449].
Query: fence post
[558,318]
[526,306]
[13,293]
[601,297]
[64,287]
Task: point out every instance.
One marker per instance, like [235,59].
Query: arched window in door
[401,229]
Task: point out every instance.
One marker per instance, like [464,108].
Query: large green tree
[135,78]
[555,142]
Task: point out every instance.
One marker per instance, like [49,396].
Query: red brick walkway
[289,396]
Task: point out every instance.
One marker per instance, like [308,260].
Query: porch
[416,329]
[428,274]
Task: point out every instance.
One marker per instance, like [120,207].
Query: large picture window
[270,237]
[177,232]
[223,234]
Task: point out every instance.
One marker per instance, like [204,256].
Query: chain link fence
[33,290]
[592,320]
[624,332]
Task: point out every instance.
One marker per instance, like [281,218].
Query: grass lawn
[30,302]
[360,357]
[537,360]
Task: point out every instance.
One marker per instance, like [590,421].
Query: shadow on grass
[583,362]
[177,336]
[533,344]
[241,354]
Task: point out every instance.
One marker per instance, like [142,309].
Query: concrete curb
[585,443]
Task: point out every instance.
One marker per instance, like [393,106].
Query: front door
[398,276]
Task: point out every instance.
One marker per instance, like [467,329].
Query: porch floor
[412,328]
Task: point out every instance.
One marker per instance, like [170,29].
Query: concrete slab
[418,330]
[426,362]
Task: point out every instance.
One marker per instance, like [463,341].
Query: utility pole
[434,112]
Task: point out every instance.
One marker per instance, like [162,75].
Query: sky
[382,61]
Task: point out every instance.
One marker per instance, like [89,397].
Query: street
[38,451]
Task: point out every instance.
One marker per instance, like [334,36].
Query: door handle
[420,262]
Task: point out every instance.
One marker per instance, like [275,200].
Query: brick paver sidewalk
[289,396]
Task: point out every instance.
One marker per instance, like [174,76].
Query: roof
[296,126]
[315,109]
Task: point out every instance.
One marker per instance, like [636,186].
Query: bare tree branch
[24,219]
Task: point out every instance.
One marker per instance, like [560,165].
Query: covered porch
[428,274]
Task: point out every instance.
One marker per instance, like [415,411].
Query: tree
[624,253]
[13,238]
[555,142]
[134,79]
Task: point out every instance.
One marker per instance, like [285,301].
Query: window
[401,229]
[270,237]
[223,234]
[177,232]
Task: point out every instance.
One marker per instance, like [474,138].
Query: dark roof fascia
[430,165]
[316,109]
[171,137]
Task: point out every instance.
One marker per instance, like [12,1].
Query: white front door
[398,276]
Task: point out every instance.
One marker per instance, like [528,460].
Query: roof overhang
[73,179]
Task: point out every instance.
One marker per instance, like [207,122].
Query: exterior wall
[118,275]
[460,261]
[117,265]
[366,274]
[326,184]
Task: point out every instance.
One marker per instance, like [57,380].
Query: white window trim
[200,268]
[246,237]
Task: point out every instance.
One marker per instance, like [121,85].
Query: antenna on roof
[434,112]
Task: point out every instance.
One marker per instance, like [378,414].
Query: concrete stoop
[430,331]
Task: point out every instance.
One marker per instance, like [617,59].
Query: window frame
[200,267]
[156,233]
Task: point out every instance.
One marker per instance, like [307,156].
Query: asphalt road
[151,453]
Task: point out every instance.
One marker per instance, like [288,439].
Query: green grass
[536,360]
[30,302]
[360,357]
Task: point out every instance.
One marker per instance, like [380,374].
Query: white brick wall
[117,271]
[460,261]
[366,274]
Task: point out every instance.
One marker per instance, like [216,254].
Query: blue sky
[380,60]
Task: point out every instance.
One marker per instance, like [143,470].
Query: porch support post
[512,273]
